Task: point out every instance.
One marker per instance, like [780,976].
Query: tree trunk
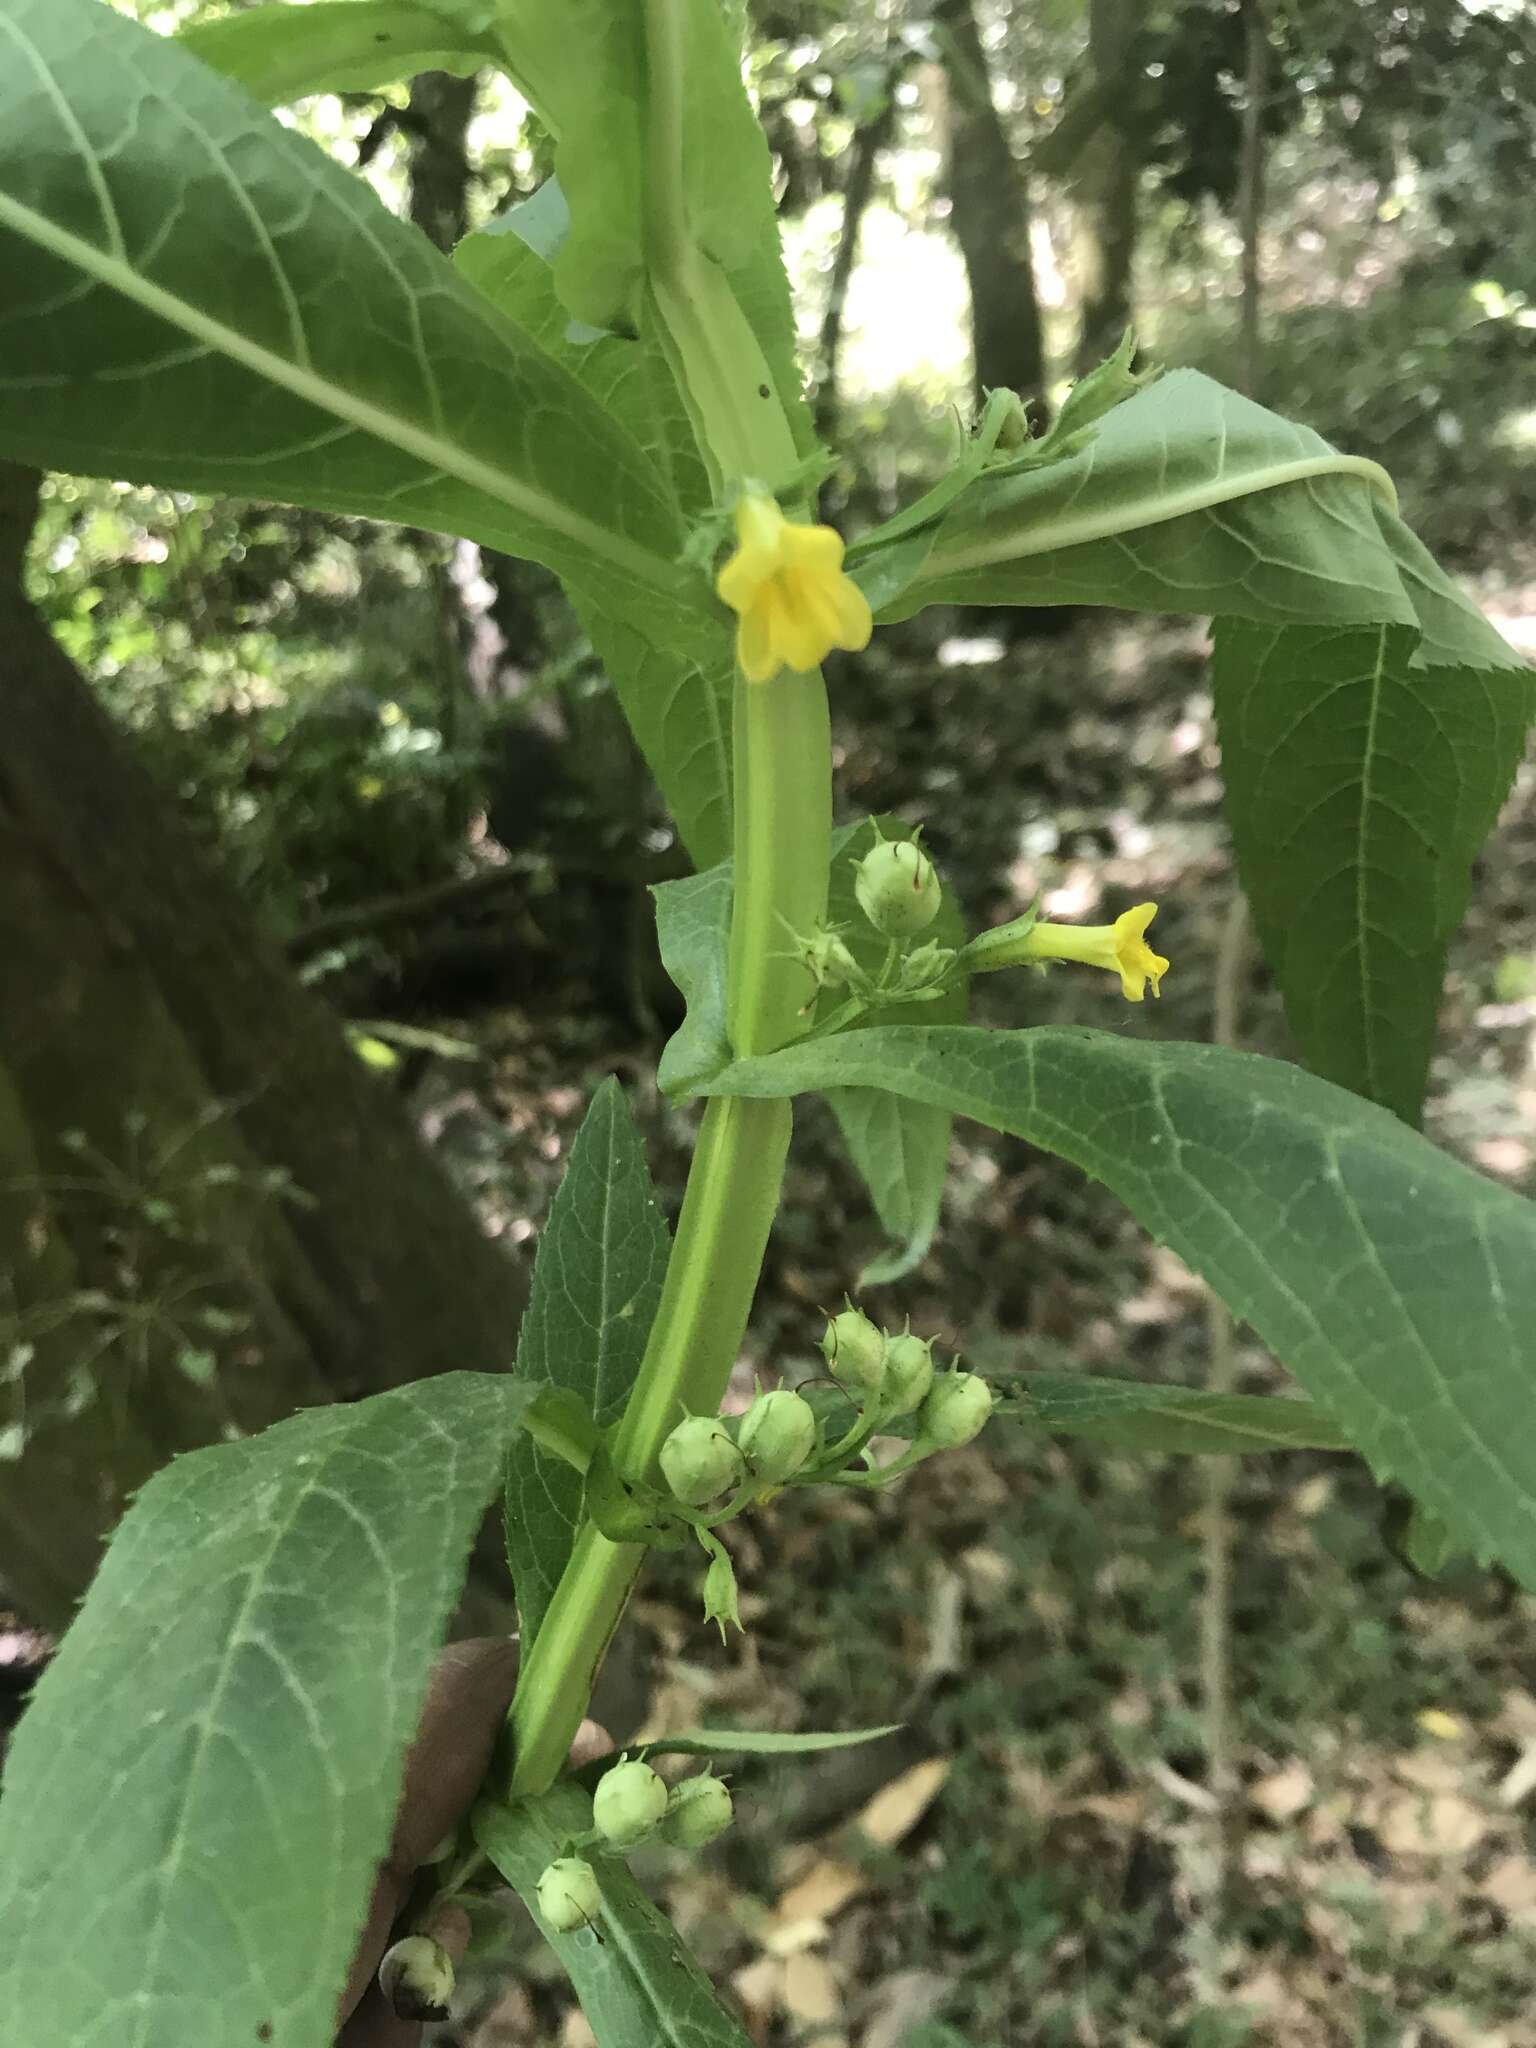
[863,157]
[210,1214]
[990,213]
[1107,183]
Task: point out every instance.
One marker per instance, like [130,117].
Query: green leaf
[900,1148]
[282,52]
[195,1805]
[614,106]
[596,1282]
[677,697]
[199,298]
[1142,1416]
[1398,1285]
[638,1986]
[761,1742]
[1187,498]
[1360,785]
[1370,718]
[693,928]
[511,263]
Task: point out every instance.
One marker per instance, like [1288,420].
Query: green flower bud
[628,1803]
[826,958]
[697,1810]
[956,1409]
[416,1978]
[854,1349]
[897,888]
[908,1373]
[777,1434]
[568,1894]
[925,967]
[700,1462]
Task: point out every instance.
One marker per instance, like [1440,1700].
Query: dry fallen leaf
[813,1997]
[1511,1885]
[903,2001]
[1439,1824]
[897,1807]
[800,1918]
[1283,1793]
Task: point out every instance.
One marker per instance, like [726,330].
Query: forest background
[332,902]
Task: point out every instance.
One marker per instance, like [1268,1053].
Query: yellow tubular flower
[1121,947]
[786,585]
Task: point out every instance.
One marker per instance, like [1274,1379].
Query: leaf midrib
[446,456]
[1051,536]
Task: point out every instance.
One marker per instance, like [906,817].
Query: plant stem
[782,844]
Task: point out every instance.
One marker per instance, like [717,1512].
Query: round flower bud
[699,1461]
[854,1349]
[568,1894]
[416,1978]
[897,888]
[628,1804]
[908,1373]
[697,1810]
[956,1409]
[777,1435]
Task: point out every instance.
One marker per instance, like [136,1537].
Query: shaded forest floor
[1034,1860]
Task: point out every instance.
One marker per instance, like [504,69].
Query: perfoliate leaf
[638,1985]
[676,696]
[235,1699]
[596,1282]
[280,52]
[198,298]
[1398,1285]
[618,107]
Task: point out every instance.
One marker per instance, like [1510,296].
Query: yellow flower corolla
[1121,947]
[786,585]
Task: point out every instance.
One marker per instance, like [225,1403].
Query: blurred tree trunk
[869,138]
[990,213]
[1107,183]
[210,1214]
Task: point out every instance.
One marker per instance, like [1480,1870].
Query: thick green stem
[782,849]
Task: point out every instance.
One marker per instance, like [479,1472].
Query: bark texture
[210,1212]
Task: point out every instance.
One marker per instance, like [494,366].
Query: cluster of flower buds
[892,1374]
[632,1804]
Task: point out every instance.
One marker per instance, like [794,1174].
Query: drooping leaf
[280,52]
[638,1985]
[195,1804]
[596,1282]
[197,297]
[1398,1285]
[1361,784]
[1142,1416]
